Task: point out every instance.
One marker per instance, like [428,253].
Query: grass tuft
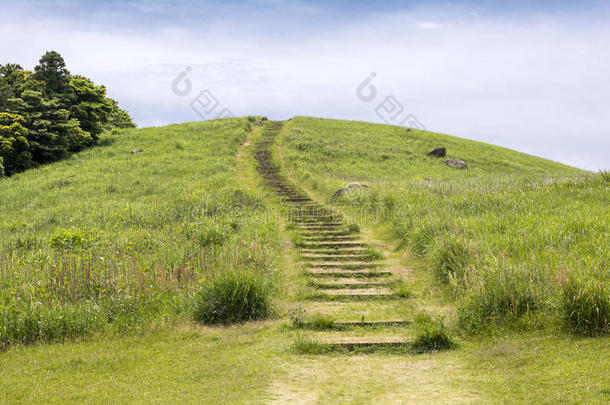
[586,305]
[233,296]
[432,336]
[373,254]
[305,345]
[321,322]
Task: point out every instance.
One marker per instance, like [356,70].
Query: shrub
[70,239]
[264,119]
[604,173]
[233,296]
[214,234]
[500,295]
[432,336]
[1,167]
[251,118]
[447,258]
[586,305]
[322,322]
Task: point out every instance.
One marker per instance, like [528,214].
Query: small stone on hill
[456,163]
[438,152]
[133,152]
[349,187]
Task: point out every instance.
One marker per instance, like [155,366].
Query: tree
[53,72]
[88,104]
[11,77]
[48,114]
[118,118]
[14,146]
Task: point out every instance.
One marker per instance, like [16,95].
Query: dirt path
[340,267]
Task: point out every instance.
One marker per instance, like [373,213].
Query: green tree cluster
[47,114]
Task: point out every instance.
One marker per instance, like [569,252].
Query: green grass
[503,234]
[186,364]
[234,296]
[107,226]
[158,256]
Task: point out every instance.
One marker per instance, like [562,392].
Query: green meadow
[522,241]
[110,239]
[169,274]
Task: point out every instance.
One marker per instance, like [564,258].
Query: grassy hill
[122,256]
[114,238]
[518,237]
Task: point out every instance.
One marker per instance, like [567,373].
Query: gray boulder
[456,163]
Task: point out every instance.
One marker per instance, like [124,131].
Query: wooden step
[347,325]
[349,283]
[334,251]
[325,272]
[344,265]
[332,257]
[357,292]
[330,238]
[338,244]
[360,345]
[320,227]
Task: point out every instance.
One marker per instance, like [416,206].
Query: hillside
[511,233]
[110,236]
[146,254]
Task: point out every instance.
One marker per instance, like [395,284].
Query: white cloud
[536,83]
[429,25]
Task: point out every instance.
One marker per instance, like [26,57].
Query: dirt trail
[339,264]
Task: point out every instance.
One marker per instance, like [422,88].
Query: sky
[531,76]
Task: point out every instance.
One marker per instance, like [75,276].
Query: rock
[259,123]
[409,130]
[429,179]
[136,151]
[456,163]
[438,152]
[349,187]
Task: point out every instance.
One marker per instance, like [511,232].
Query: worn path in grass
[355,300]
[524,368]
[341,269]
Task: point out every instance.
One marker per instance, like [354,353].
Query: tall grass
[503,233]
[586,304]
[234,296]
[109,240]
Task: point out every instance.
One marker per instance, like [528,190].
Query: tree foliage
[47,114]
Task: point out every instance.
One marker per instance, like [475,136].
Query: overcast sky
[535,78]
